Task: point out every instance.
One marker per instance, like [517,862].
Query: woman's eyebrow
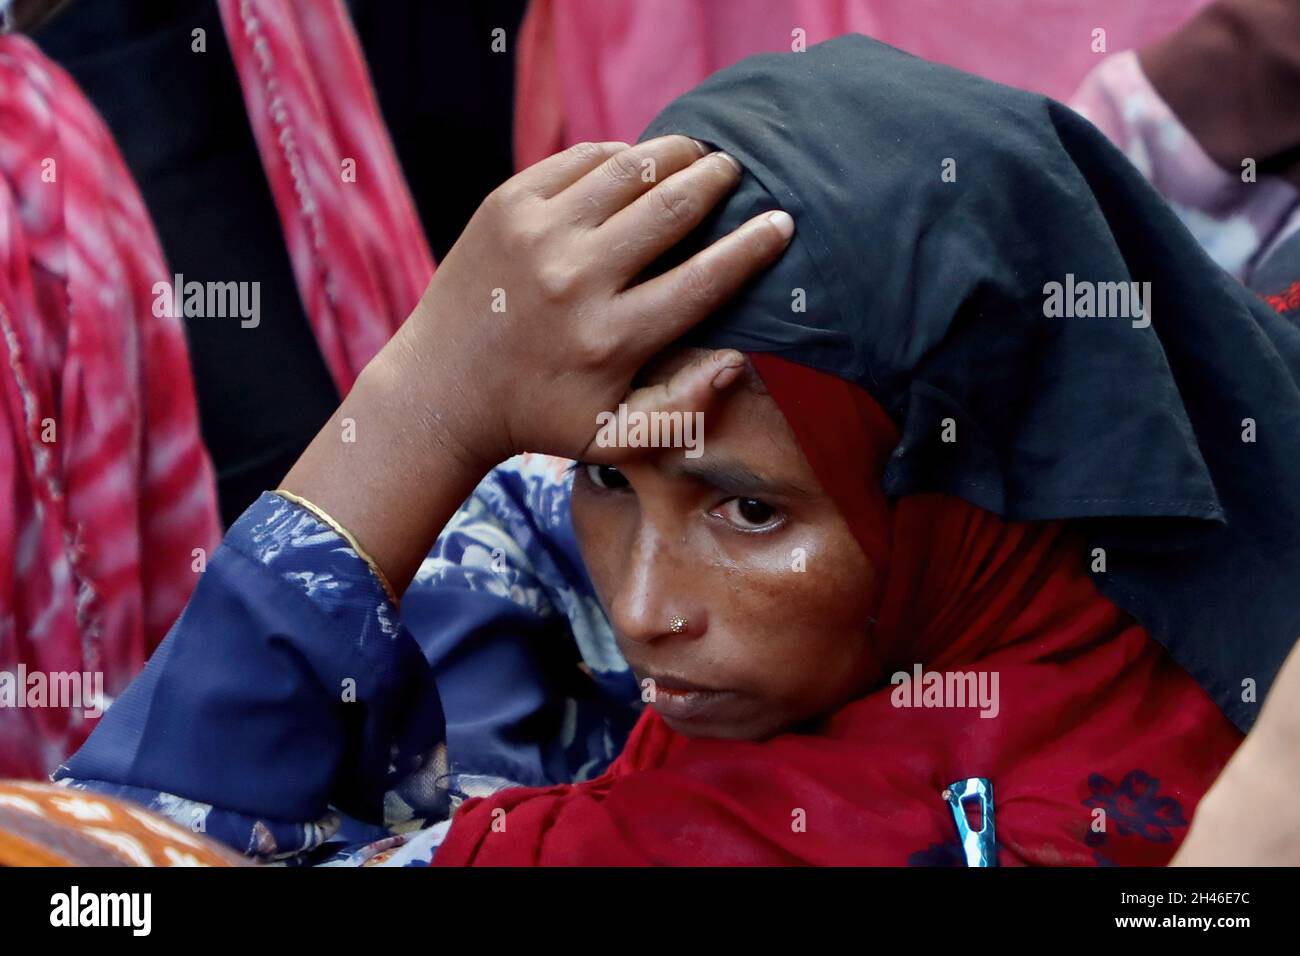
[735,478]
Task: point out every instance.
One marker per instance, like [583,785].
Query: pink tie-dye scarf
[107,503]
[105,488]
[359,255]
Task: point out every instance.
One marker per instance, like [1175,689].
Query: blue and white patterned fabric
[294,714]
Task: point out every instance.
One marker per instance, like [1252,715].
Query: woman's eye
[749,514]
[606,476]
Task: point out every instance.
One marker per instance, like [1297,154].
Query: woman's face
[743,543]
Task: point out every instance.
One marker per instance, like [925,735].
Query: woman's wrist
[443,403]
[393,464]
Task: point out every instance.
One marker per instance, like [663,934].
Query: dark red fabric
[1099,752]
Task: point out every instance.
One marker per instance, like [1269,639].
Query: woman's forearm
[1249,816]
[389,465]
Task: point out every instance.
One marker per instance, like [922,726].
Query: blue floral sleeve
[533,685]
[291,709]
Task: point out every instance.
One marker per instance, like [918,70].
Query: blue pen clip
[979,847]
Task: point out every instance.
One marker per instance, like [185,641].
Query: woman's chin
[700,727]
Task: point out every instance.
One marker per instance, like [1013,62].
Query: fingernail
[728,364]
[729,358]
[704,148]
[783,221]
[731,159]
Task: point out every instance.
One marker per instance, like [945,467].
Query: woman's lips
[684,700]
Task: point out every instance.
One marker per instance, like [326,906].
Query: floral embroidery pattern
[1135,806]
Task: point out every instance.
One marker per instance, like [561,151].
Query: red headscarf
[1099,752]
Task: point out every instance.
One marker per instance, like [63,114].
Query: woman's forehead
[742,431]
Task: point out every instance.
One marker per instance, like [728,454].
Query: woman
[918,477]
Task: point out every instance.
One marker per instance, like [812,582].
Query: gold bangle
[346,535]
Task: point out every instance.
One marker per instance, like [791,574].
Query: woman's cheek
[603,526]
[795,603]
[799,556]
[812,597]
[754,552]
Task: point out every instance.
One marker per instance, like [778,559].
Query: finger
[625,175]
[668,305]
[555,173]
[638,235]
[692,388]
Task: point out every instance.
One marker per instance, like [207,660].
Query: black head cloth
[934,212]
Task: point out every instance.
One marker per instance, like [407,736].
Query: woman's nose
[656,595]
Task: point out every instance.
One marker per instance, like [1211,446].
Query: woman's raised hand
[534,324]
[538,311]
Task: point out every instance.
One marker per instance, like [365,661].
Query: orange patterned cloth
[46,825]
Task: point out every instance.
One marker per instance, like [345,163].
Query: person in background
[205,156]
[599,70]
[1207,115]
[107,510]
[265,162]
